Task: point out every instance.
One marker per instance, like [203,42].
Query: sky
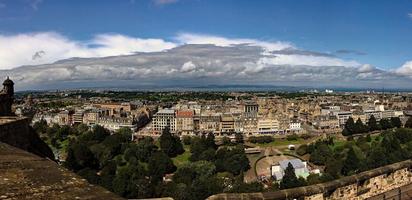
[326,34]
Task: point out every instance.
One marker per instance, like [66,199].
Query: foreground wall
[388,182]
[17,132]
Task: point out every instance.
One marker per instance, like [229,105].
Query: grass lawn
[283,142]
[183,158]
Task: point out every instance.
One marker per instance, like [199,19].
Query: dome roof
[8,82]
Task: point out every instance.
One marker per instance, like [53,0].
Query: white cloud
[279,59]
[410,15]
[188,38]
[164,2]
[35,4]
[17,50]
[188,67]
[405,69]
[366,68]
[211,59]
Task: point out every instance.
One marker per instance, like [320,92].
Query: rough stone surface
[17,132]
[392,181]
[27,176]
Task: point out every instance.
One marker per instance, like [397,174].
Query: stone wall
[371,184]
[17,132]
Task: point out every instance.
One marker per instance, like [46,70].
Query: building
[116,123]
[115,109]
[251,107]
[209,122]
[377,114]
[326,122]
[343,116]
[78,117]
[185,122]
[227,124]
[91,117]
[278,171]
[295,125]
[65,117]
[7,98]
[268,126]
[164,118]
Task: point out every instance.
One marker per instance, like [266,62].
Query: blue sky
[373,32]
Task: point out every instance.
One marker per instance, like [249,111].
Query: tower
[7,98]
[8,87]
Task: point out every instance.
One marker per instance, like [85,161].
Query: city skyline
[306,43]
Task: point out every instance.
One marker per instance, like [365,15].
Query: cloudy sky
[46,44]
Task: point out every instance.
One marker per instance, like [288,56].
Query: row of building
[193,118]
[112,116]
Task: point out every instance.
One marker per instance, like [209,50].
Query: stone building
[7,98]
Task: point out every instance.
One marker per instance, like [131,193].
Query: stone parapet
[359,186]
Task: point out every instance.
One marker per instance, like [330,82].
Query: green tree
[232,160]
[170,144]
[360,127]
[40,126]
[351,163]
[239,138]
[210,141]
[333,167]
[349,128]
[226,141]
[159,165]
[396,122]
[372,124]
[79,156]
[385,123]
[289,180]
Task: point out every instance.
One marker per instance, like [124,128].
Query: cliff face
[17,132]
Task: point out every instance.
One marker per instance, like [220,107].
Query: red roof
[184,113]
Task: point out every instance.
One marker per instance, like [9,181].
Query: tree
[226,140]
[79,156]
[372,125]
[40,126]
[320,154]
[333,167]
[349,128]
[159,165]
[210,141]
[408,123]
[186,140]
[360,127]
[396,122]
[170,144]
[232,160]
[239,138]
[125,132]
[289,180]
[385,123]
[351,163]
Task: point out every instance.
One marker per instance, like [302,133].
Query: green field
[182,159]
[283,142]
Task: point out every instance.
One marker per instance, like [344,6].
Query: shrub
[261,139]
